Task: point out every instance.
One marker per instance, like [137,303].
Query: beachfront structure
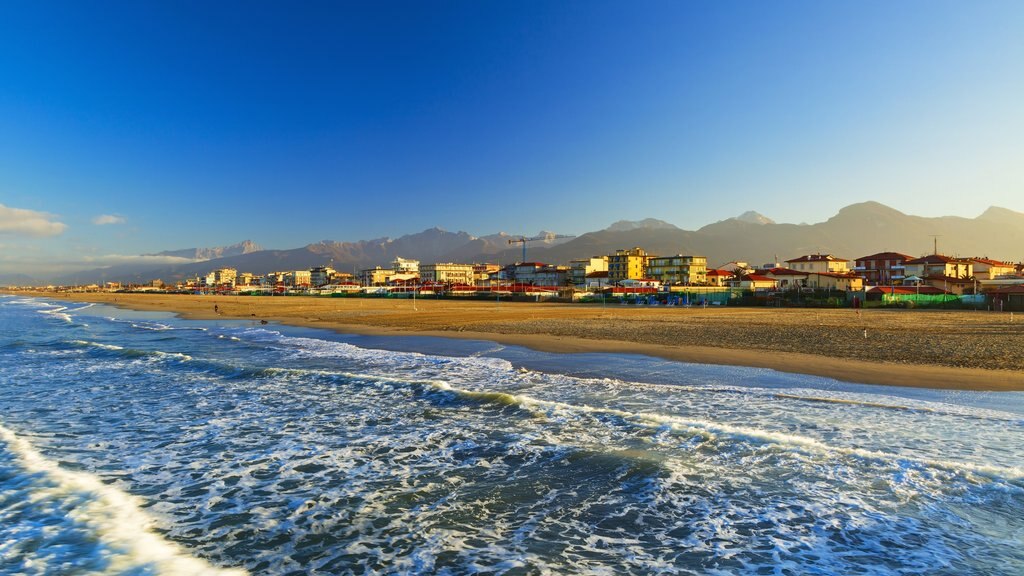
[884,268]
[447,273]
[580,269]
[626,264]
[375,276]
[987,269]
[484,273]
[404,266]
[716,277]
[755,282]
[937,266]
[818,263]
[787,278]
[678,269]
[597,280]
[842,281]
[320,276]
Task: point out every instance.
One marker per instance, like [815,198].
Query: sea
[140,443]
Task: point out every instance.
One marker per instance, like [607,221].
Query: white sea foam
[115,517]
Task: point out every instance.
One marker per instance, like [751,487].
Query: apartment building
[884,268]
[626,264]
[447,273]
[678,269]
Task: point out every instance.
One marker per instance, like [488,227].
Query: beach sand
[968,350]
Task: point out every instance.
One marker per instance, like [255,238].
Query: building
[788,279]
[403,266]
[939,266]
[842,281]
[297,278]
[737,266]
[718,277]
[884,268]
[597,280]
[484,273]
[447,273]
[818,263]
[756,282]
[987,269]
[625,264]
[321,276]
[376,276]
[579,270]
[678,269]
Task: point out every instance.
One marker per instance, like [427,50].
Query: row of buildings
[635,268]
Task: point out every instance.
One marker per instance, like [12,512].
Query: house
[597,280]
[1008,298]
[842,281]
[787,279]
[819,263]
[678,269]
[958,286]
[755,282]
[937,265]
[718,277]
[985,268]
[885,268]
[625,264]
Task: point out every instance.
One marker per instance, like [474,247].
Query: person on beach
[216,309]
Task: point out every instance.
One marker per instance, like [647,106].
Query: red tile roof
[715,272]
[758,278]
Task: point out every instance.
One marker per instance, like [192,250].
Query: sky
[129,128]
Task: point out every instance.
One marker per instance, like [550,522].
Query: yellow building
[626,264]
[678,269]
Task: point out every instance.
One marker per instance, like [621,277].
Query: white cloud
[105,219]
[18,221]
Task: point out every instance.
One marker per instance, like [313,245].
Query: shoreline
[455,320]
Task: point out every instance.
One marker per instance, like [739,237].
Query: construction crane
[523,240]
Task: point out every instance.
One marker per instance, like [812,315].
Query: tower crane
[523,240]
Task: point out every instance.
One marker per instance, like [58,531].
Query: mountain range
[856,230]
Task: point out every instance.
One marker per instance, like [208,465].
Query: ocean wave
[125,539]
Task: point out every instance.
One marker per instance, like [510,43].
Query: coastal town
[636,276]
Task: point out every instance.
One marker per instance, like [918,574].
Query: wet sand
[968,350]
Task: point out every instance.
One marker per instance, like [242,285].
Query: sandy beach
[969,350]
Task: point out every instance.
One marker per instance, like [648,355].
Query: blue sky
[201,124]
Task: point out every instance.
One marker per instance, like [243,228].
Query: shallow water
[140,443]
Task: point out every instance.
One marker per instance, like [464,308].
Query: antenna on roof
[935,242]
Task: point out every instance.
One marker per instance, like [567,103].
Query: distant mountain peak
[752,217]
[999,213]
[243,247]
[645,224]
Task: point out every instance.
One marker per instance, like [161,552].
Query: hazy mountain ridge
[244,247]
[856,230]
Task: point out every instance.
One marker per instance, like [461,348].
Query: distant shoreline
[953,350]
